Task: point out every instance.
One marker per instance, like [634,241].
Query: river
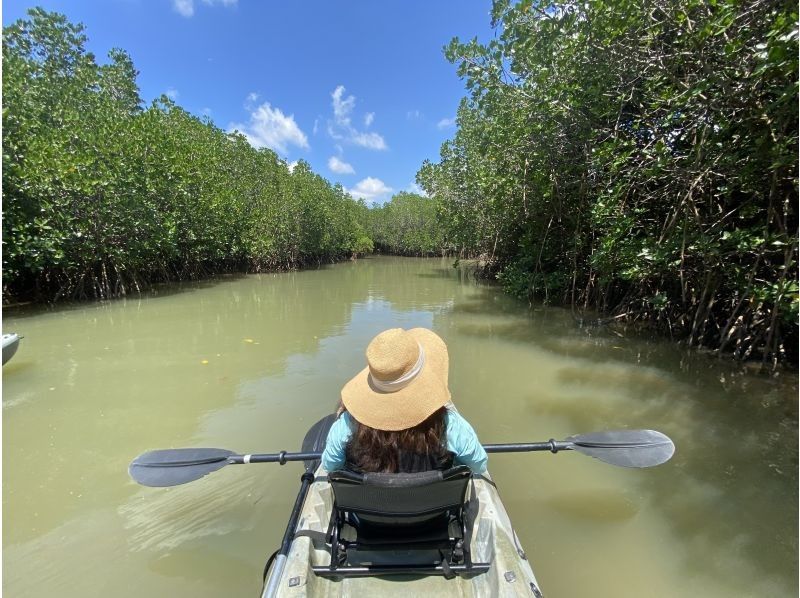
[248,363]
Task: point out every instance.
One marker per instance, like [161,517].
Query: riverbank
[104,286]
[638,324]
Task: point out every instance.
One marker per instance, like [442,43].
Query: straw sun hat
[404,382]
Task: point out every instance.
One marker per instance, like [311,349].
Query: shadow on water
[18,364]
[460,274]
[441,273]
[598,505]
[725,492]
[555,330]
[157,290]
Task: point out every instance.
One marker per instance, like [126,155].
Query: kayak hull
[493,541]
[10,346]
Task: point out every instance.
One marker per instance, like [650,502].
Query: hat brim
[409,406]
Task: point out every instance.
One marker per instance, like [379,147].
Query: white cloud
[414,188]
[413,115]
[332,132]
[251,99]
[368,118]
[446,122]
[206,112]
[291,165]
[342,107]
[186,7]
[339,167]
[342,129]
[316,126]
[370,189]
[270,127]
[369,140]
[172,94]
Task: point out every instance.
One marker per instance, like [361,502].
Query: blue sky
[360,90]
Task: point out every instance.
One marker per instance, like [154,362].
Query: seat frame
[401,505]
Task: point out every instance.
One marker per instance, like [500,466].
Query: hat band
[402,381]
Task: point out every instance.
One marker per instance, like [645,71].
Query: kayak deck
[493,541]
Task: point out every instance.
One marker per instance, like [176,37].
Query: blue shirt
[461,441]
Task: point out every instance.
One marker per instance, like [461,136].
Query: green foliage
[102,195]
[636,157]
[408,224]
[516,279]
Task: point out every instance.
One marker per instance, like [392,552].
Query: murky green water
[249,363]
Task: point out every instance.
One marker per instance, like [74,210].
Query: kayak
[10,345]
[441,532]
[493,541]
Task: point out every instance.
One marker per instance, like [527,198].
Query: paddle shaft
[527,447]
[623,448]
[283,457]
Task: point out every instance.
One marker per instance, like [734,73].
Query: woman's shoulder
[457,425]
[341,429]
[452,416]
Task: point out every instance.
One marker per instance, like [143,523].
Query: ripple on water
[166,518]
[23,397]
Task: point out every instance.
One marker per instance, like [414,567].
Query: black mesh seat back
[402,498]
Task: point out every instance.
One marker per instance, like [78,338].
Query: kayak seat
[404,523]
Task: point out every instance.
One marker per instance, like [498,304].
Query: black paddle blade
[314,442]
[172,467]
[625,448]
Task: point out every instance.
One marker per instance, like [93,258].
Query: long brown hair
[419,448]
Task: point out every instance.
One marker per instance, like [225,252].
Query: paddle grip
[518,447]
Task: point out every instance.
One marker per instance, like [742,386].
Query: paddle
[171,467]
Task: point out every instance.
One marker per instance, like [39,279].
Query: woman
[396,416]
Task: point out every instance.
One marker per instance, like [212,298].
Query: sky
[361,90]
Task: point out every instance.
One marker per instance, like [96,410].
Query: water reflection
[595,505]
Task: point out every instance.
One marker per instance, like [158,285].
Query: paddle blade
[625,448]
[314,442]
[172,467]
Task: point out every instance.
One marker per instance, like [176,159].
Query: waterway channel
[248,363]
